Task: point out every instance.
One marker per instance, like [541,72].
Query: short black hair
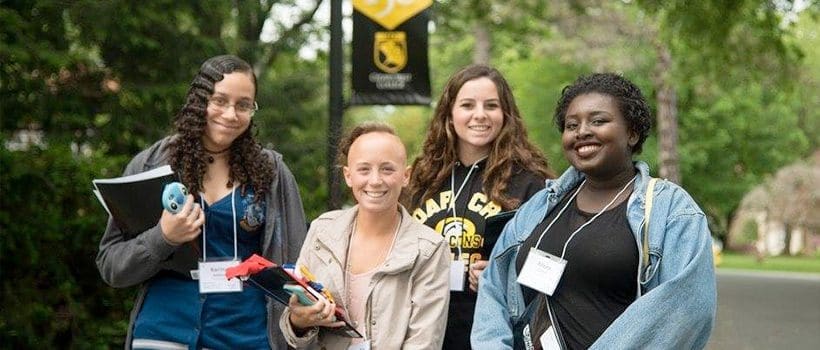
[630,100]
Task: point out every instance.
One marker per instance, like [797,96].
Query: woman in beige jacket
[386,270]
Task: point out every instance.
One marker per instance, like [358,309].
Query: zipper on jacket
[369,316]
[640,261]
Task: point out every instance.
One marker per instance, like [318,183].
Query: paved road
[767,310]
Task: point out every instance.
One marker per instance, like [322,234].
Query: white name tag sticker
[212,277]
[548,340]
[457,276]
[364,345]
[542,271]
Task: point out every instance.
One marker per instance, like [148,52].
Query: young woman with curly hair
[244,200]
[605,257]
[475,163]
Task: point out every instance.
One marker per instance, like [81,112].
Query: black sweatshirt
[472,208]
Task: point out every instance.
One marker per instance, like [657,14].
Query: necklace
[211,154]
[571,236]
[348,273]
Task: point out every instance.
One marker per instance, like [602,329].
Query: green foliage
[513,18]
[99,81]
[102,80]
[731,139]
[748,233]
[807,102]
[537,95]
[50,221]
[773,263]
[295,124]
[51,224]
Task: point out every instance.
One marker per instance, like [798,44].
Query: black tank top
[599,281]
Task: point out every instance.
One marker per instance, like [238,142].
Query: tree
[707,26]
[482,19]
[740,80]
[83,86]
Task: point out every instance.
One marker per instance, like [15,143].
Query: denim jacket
[677,308]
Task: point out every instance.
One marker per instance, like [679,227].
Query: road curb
[810,276]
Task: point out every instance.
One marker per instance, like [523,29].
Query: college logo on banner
[390,52]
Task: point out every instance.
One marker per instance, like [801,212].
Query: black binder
[134,201]
[272,280]
[493,228]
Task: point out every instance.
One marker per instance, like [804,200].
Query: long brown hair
[248,163]
[510,151]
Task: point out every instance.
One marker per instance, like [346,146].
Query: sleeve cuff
[157,245]
[291,337]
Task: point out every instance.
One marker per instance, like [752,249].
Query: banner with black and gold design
[390,52]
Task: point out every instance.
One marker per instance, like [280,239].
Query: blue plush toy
[173,197]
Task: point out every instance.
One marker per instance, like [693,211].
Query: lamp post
[336,105]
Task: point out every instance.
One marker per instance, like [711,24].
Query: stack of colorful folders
[273,279]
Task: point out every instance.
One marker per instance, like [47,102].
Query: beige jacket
[409,295]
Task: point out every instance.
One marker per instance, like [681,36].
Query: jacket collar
[336,237]
[639,190]
[556,189]
[563,184]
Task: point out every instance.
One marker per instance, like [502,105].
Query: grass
[734,260]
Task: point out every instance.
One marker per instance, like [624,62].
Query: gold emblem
[390,13]
[460,232]
[456,227]
[390,51]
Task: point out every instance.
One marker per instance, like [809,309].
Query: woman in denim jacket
[591,219]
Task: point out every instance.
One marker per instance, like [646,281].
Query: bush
[51,224]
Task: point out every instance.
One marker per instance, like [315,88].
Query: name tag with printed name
[542,271]
[364,345]
[212,277]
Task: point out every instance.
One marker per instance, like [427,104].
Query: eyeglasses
[243,107]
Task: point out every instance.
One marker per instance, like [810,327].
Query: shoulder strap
[650,193]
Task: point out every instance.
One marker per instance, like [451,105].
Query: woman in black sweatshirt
[476,162]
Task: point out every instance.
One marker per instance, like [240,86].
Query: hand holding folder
[134,201]
[278,281]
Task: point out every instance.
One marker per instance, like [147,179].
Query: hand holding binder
[134,201]
[278,281]
[300,293]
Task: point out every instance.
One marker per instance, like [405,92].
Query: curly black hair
[249,165]
[630,100]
